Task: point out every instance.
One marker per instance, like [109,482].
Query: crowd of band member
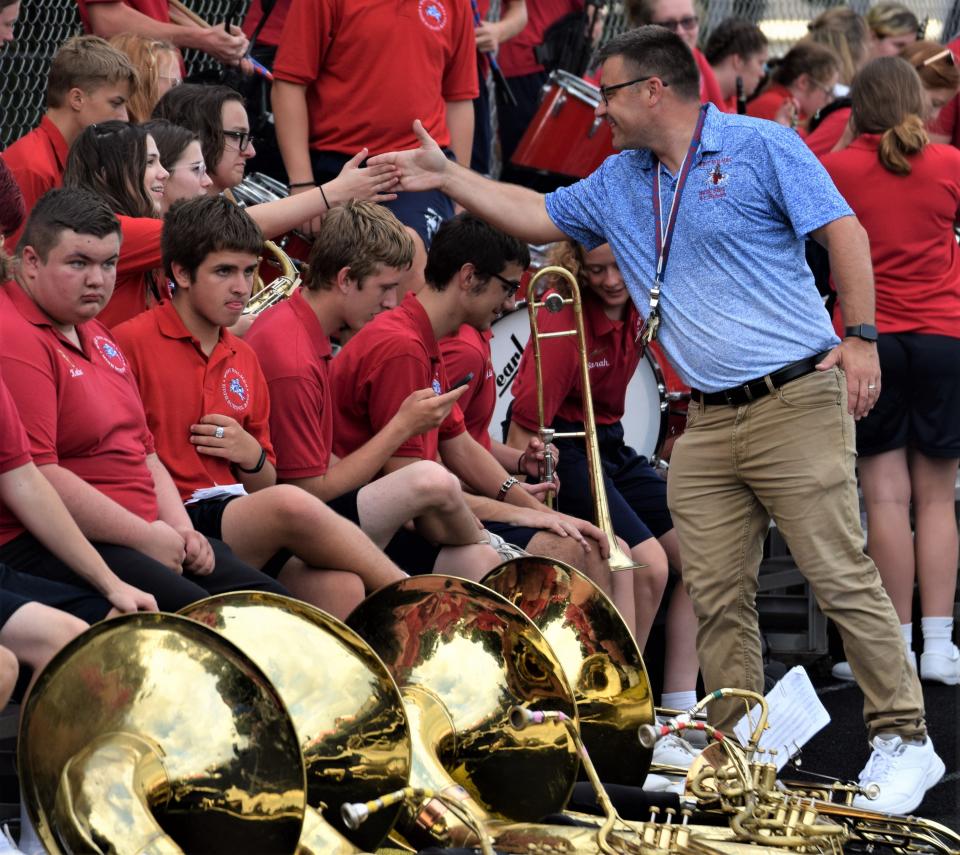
[158,445]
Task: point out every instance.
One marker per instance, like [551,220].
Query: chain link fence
[45,24]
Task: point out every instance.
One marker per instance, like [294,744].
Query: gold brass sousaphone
[150,733]
[346,708]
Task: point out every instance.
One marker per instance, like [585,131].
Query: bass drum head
[645,411]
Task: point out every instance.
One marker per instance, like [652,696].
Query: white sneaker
[673,750]
[506,551]
[903,771]
[843,671]
[656,783]
[942,667]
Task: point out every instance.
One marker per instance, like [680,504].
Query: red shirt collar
[414,310]
[304,313]
[171,325]
[34,315]
[57,141]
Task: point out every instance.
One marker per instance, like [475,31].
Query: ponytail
[901,141]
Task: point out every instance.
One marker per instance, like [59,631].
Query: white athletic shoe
[903,771]
[674,750]
[843,671]
[942,667]
[656,783]
[7,844]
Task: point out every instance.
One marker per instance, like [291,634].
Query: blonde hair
[87,63]
[845,33]
[144,53]
[891,19]
[571,256]
[887,100]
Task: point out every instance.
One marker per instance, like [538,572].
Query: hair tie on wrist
[325,202]
[259,466]
[520,463]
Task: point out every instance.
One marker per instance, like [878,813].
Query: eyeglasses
[688,22]
[606,90]
[198,169]
[511,286]
[244,138]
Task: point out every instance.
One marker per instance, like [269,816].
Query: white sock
[906,631]
[937,635]
[28,842]
[678,700]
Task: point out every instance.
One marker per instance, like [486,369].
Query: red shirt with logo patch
[37,161]
[295,355]
[613,350]
[392,356]
[14,453]
[372,66]
[180,385]
[468,352]
[80,406]
[909,220]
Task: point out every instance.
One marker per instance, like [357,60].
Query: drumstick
[178,6]
[498,75]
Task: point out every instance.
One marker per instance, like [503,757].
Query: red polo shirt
[765,105]
[909,220]
[294,353]
[159,10]
[710,92]
[272,28]
[180,384]
[37,161]
[613,350]
[468,352]
[80,406]
[139,256]
[14,453]
[392,356]
[372,66]
[828,132]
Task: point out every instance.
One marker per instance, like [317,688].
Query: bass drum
[646,411]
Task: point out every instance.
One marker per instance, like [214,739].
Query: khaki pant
[789,456]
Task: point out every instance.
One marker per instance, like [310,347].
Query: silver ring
[871,385]
[218,433]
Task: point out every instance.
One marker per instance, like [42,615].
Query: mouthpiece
[647,735]
[354,814]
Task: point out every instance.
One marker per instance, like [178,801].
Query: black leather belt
[737,396]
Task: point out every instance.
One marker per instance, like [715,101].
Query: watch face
[867,332]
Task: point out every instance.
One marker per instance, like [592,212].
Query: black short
[207,518]
[636,494]
[919,403]
[172,590]
[346,505]
[18,589]
[412,553]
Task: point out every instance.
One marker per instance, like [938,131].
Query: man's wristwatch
[868,332]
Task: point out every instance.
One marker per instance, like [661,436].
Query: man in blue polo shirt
[707,214]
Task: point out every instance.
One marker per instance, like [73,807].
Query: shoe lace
[882,763]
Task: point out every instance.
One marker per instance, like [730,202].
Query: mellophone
[442,712]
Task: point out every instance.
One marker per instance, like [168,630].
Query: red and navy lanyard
[664,231]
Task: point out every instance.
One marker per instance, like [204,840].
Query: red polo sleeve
[14,445]
[307,34]
[460,81]
[32,384]
[296,427]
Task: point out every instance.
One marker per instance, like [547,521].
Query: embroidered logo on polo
[433,14]
[75,371]
[435,385]
[235,390]
[715,173]
[111,354]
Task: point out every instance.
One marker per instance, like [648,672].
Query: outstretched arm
[514,209]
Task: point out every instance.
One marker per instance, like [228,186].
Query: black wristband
[259,466]
[325,202]
[300,184]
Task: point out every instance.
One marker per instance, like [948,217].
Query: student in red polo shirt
[636,494]
[398,352]
[337,89]
[83,415]
[906,194]
[89,81]
[737,53]
[208,407]
[356,263]
[120,162]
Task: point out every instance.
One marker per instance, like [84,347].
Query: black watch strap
[868,332]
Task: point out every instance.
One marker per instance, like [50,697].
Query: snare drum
[565,136]
[257,188]
[646,412]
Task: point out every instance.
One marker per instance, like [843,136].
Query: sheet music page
[795,715]
[216,491]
